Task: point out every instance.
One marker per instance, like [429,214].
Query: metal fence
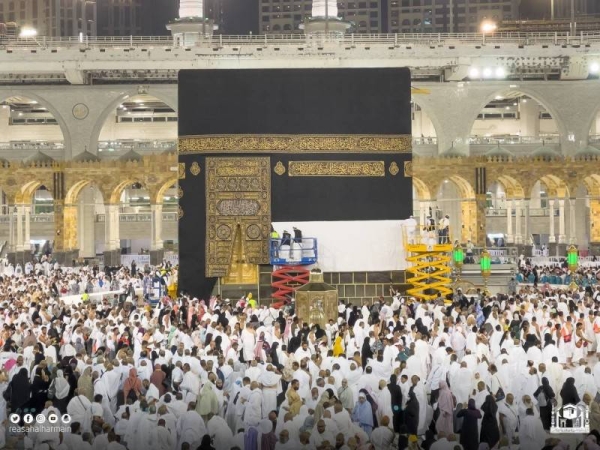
[397,39]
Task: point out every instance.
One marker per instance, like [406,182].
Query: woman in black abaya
[469,432]
[490,433]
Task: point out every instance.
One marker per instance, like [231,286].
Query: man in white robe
[531,432]
[190,427]
[382,437]
[219,431]
[462,383]
[190,385]
[509,415]
[270,382]
[253,410]
[80,410]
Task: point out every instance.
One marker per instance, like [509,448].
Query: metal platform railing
[441,39]
[296,253]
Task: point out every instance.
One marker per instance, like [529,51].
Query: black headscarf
[20,390]
[273,355]
[546,389]
[206,444]
[366,352]
[568,393]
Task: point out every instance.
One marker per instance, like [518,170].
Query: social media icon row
[40,418]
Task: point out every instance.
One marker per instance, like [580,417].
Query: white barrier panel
[142,260]
[95,297]
[349,246]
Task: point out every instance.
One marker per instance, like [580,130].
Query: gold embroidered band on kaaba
[337,169]
[302,143]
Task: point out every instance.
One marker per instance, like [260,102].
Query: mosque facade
[504,132]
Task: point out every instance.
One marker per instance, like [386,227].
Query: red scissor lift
[290,274]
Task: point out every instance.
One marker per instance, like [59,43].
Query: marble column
[19,224]
[527,233]
[561,221]
[27,235]
[509,228]
[572,229]
[552,236]
[156,242]
[112,242]
[518,235]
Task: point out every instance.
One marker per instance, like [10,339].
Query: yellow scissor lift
[428,264]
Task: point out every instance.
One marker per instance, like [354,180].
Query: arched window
[287,27]
[406,22]
[276,28]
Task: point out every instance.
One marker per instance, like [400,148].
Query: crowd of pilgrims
[475,373]
[557,274]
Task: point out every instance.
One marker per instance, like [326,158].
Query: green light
[485,262]
[458,255]
[572,256]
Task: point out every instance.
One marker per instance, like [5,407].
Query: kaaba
[327,148]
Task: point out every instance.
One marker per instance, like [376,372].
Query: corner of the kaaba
[331,156]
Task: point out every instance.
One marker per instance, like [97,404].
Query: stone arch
[73,193]
[25,195]
[592,184]
[592,119]
[51,109]
[428,111]
[115,196]
[557,188]
[421,189]
[464,187]
[97,129]
[158,199]
[540,98]
[512,187]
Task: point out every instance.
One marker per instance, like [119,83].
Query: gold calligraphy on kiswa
[336,169]
[302,143]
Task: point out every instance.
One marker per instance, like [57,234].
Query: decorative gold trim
[181,170]
[195,168]
[179,212]
[336,169]
[179,192]
[279,168]
[301,143]
[238,208]
[408,169]
[394,169]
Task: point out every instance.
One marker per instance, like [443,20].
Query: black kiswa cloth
[292,102]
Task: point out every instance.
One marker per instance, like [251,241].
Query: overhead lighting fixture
[488,27]
[595,67]
[515,104]
[524,100]
[500,72]
[28,32]
[487,72]
[499,97]
[474,72]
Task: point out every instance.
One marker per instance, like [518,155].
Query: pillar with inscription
[112,242]
[317,301]
[156,243]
